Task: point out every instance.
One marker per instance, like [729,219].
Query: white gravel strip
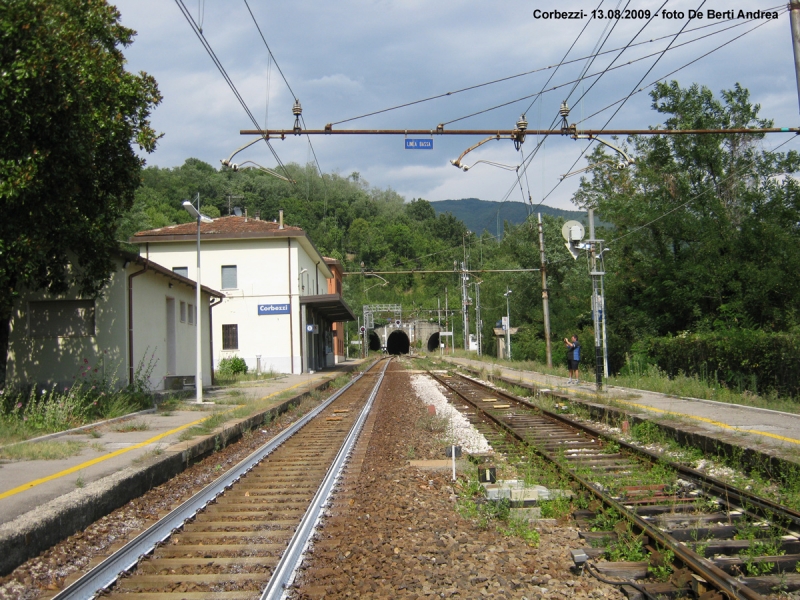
[461,430]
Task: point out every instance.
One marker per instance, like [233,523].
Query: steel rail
[500,133]
[715,576]
[104,575]
[285,571]
[709,483]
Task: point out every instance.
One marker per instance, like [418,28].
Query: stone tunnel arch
[398,343]
[374,341]
[433,342]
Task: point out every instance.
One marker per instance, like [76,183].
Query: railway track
[720,541]
[243,535]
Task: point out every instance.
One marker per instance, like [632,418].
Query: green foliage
[69,112]
[705,237]
[232,365]
[627,547]
[25,414]
[744,359]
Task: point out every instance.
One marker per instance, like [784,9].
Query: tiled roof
[227,226]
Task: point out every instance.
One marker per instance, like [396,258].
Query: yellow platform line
[99,459]
[94,461]
[719,424]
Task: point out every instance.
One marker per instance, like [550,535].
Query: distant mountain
[483,214]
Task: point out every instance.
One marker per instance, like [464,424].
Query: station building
[141,329]
[282,308]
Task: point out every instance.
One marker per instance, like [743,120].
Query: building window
[182,271]
[183,311]
[230,337]
[229,277]
[191,314]
[61,318]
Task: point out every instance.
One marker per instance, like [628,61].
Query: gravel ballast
[394,532]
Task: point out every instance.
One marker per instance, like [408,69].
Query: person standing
[573,358]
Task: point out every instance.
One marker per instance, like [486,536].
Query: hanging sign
[417,144]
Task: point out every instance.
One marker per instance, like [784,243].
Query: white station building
[282,308]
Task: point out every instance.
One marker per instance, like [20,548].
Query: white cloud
[349,58]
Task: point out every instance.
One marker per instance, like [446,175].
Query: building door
[172,350]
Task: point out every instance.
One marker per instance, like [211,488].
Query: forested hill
[478,215]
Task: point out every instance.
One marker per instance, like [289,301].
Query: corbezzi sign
[274,309]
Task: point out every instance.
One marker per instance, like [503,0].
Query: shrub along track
[673,510]
[239,526]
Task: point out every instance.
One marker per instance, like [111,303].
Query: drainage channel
[229,539]
[729,541]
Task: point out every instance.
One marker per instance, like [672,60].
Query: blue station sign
[418,144]
[274,309]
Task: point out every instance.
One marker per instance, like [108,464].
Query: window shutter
[229,277]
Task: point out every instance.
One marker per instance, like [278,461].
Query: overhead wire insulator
[564,112]
[297,111]
[519,134]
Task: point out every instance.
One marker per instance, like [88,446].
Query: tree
[707,224]
[69,113]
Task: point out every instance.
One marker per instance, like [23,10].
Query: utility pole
[465,304]
[508,324]
[446,312]
[595,248]
[545,295]
[794,22]
[439,313]
[478,322]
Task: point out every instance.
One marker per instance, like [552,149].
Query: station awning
[330,306]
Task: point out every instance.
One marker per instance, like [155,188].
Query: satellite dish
[237,211]
[573,231]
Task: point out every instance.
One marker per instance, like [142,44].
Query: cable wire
[533,71]
[225,75]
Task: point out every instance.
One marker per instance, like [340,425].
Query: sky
[347,58]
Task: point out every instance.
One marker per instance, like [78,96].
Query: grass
[471,505]
[239,378]
[133,425]
[45,450]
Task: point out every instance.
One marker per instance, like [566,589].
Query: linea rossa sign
[417,144]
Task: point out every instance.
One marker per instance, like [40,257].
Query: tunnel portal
[398,343]
[374,341]
[433,342]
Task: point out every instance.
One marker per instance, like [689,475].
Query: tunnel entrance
[433,342]
[374,341]
[398,343]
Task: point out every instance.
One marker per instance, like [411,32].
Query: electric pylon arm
[589,136]
[457,162]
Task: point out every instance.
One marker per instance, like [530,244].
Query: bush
[232,366]
[742,359]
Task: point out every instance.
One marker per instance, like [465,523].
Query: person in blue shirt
[573,358]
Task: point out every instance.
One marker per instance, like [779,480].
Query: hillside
[478,215]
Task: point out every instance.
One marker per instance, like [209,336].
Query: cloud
[349,58]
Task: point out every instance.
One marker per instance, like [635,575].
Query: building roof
[231,228]
[153,266]
[224,227]
[331,306]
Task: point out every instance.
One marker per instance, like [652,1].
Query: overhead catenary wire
[286,81]
[648,86]
[207,46]
[531,72]
[596,74]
